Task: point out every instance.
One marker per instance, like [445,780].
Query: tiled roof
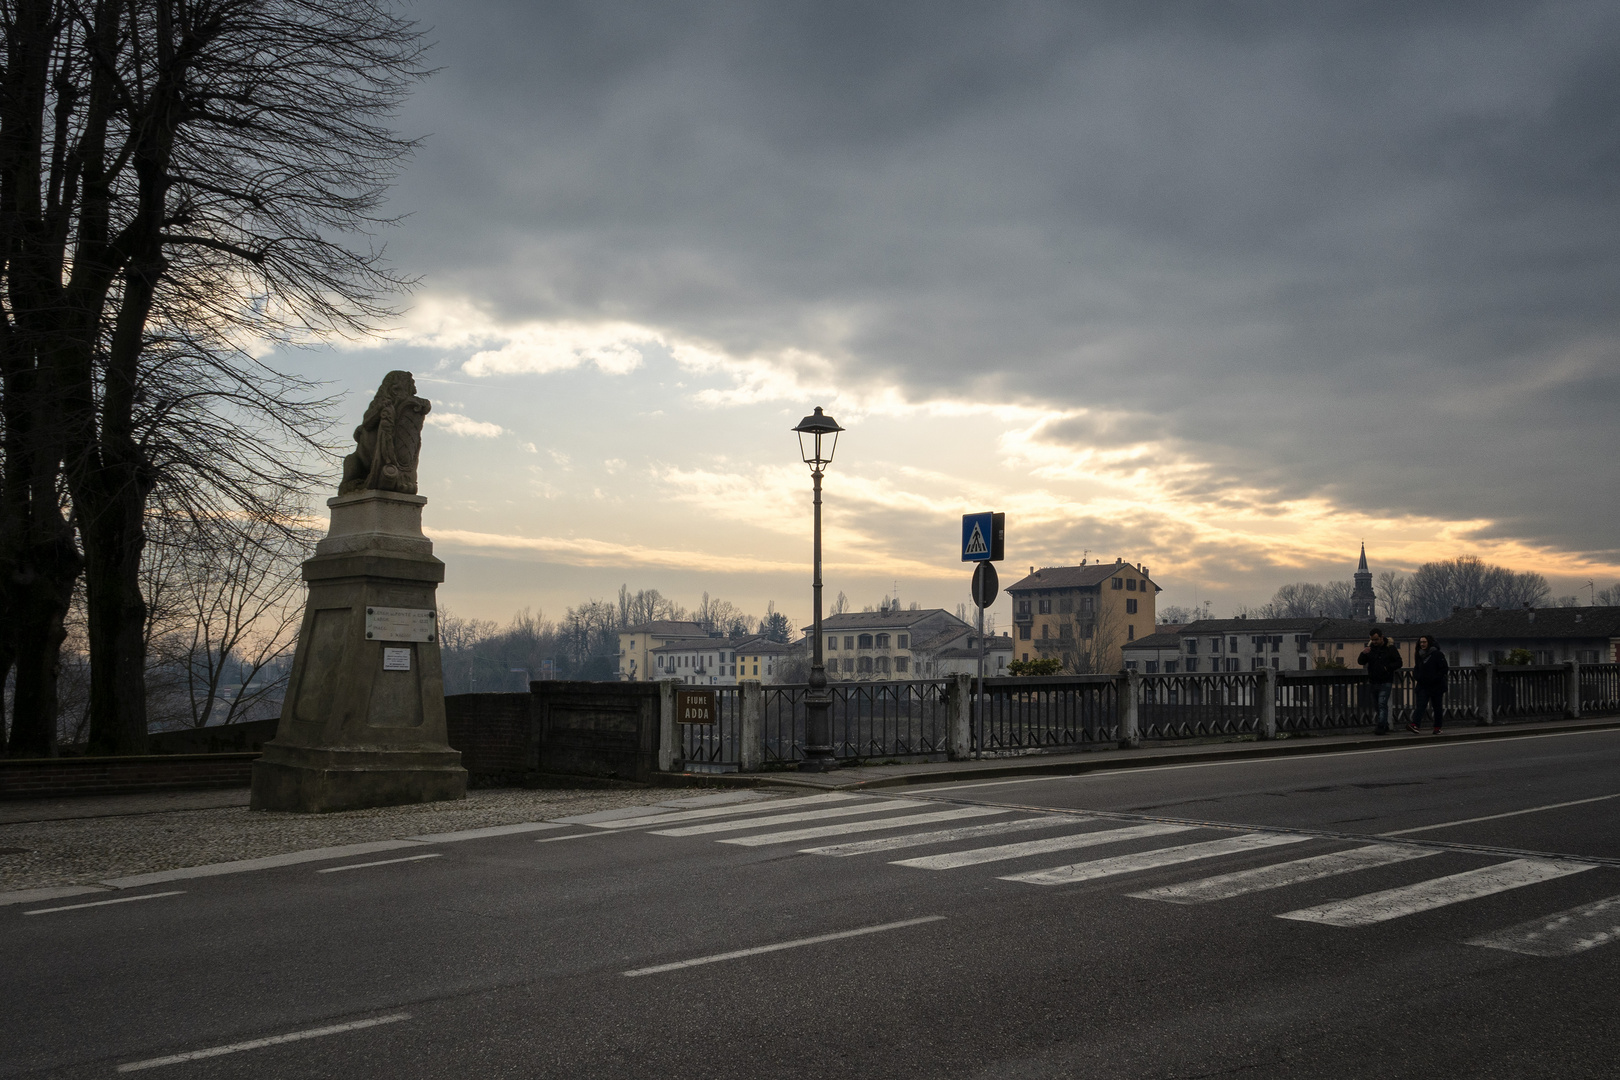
[1070,577]
[1164,639]
[881,620]
[1251,626]
[1519,624]
[759,646]
[667,628]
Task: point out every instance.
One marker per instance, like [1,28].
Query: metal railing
[715,747]
[1600,687]
[1023,714]
[1190,706]
[1519,693]
[870,721]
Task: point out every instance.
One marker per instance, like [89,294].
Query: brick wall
[495,734]
[49,778]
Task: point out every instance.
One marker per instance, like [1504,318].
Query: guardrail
[934,718]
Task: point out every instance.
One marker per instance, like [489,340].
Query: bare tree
[178,180]
[1468,581]
[841,605]
[1395,595]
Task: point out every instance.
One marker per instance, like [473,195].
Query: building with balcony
[1082,615]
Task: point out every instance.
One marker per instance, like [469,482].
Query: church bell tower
[1363,601]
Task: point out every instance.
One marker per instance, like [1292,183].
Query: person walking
[1382,660]
[1429,670]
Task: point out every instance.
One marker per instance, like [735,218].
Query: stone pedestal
[354,733]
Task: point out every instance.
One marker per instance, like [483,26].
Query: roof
[759,646]
[1255,626]
[999,644]
[882,620]
[1071,577]
[1164,639]
[1519,624]
[667,628]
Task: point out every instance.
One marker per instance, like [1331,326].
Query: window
[1192,663]
[1302,642]
[865,665]
[1192,646]
[1214,644]
[1234,646]
[849,643]
[1151,667]
[1046,631]
[849,665]
[1022,607]
[1023,633]
[1117,583]
[1256,663]
[1453,658]
[1130,584]
[756,669]
[1302,663]
[865,642]
[1045,605]
[883,664]
[1276,663]
[1130,665]
[1026,659]
[902,665]
[881,641]
[1276,643]
[903,641]
[1231,663]
[1065,605]
[1130,631]
[660,663]
[832,643]
[1170,666]
[1130,607]
[1066,632]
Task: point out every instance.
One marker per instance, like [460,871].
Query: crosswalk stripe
[873,806]
[974,856]
[844,827]
[678,816]
[1563,934]
[1226,886]
[1149,860]
[942,836]
[1438,892]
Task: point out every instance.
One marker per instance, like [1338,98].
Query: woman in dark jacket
[1429,669]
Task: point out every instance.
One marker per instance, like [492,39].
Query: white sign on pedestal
[396,659]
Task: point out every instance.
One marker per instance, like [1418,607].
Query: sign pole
[978,710]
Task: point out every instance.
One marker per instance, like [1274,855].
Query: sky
[1221,289]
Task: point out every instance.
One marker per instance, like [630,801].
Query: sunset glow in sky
[1222,292]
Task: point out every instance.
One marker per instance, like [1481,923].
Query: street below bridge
[1427,908]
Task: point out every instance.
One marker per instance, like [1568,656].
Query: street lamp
[818,751]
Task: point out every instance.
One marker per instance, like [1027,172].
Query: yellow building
[1082,615]
[636,644]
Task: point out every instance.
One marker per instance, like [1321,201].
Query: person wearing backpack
[1429,670]
[1382,660]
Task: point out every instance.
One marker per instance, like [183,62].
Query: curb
[1038,765]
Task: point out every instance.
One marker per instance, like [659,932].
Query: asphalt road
[1123,939]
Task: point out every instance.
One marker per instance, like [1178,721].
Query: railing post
[1572,691]
[1269,681]
[1129,686]
[958,731]
[1483,689]
[670,757]
[750,725]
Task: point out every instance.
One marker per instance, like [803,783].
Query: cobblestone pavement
[86,850]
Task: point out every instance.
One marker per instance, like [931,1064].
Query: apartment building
[636,645]
[881,645]
[1083,615]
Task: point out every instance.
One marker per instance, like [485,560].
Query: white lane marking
[379,862]
[1150,860]
[779,946]
[942,836]
[1226,886]
[1125,771]
[974,856]
[256,1044]
[678,816]
[1494,817]
[104,903]
[876,806]
[488,831]
[1564,934]
[268,862]
[570,836]
[1439,892]
[815,832]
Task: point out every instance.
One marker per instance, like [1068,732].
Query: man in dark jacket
[1429,669]
[1382,660]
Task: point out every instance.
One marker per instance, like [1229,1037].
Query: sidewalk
[1108,757]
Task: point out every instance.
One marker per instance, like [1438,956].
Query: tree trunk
[113,542]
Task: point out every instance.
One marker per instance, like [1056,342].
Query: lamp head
[818,439]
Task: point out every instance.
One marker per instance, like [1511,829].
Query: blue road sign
[983,537]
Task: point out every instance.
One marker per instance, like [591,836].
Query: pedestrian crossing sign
[983,537]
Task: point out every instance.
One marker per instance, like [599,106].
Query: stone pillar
[1267,691]
[671,755]
[958,717]
[1484,686]
[1129,687]
[363,720]
[1572,696]
[751,725]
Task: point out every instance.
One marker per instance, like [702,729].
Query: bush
[1043,665]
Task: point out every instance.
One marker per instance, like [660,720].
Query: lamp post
[817,448]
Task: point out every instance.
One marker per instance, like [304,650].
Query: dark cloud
[1368,251]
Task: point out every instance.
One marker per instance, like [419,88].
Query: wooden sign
[695,706]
